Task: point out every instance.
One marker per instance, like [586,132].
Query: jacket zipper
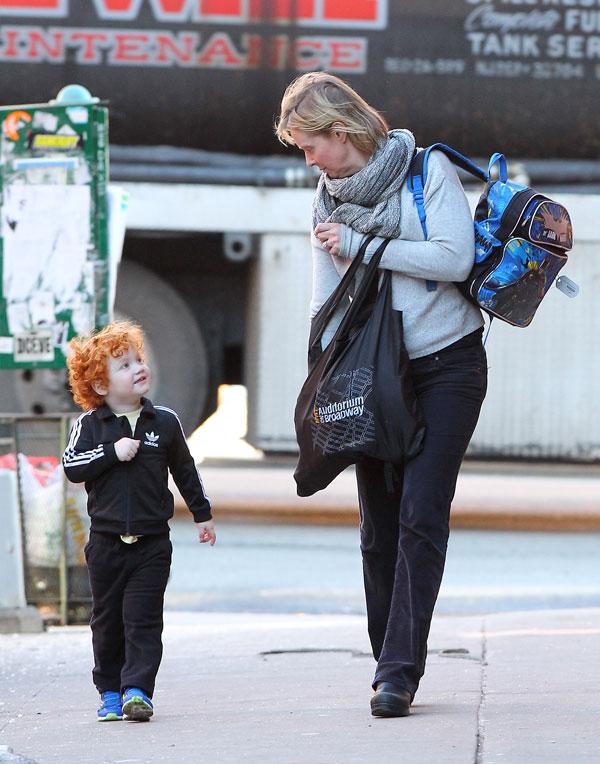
[127,501]
[127,504]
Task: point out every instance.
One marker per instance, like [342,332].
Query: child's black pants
[128,583]
[404,532]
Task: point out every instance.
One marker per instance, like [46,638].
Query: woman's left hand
[330,236]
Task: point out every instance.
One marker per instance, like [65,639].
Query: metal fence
[53,515]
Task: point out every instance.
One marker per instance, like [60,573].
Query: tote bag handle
[329,307]
[364,297]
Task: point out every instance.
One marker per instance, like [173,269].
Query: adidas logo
[151,439]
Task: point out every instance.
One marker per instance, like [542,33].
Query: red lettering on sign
[54,7]
[352,13]
[308,54]
[129,48]
[174,7]
[285,10]
[346,55]
[164,48]
[91,42]
[44,47]
[173,10]
[165,10]
[178,49]
[10,37]
[339,54]
[118,6]
[176,10]
[219,51]
[254,46]
[360,13]
[117,9]
[279,50]
[357,10]
[222,8]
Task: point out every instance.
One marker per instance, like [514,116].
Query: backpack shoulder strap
[417,178]
[460,160]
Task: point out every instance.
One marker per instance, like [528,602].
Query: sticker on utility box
[6,345]
[37,346]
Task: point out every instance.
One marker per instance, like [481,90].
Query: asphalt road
[317,569]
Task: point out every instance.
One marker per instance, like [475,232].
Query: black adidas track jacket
[133,497]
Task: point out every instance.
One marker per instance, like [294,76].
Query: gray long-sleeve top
[432,320]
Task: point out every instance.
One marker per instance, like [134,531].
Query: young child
[122,447]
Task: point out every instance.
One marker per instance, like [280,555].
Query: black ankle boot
[390,700]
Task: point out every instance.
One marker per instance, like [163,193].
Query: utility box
[15,614]
[54,253]
[12,591]
[46,524]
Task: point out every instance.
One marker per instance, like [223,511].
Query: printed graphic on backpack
[551,225]
[514,283]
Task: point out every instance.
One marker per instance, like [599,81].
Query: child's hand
[206,532]
[126,449]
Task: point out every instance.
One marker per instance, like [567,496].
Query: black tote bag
[358,399]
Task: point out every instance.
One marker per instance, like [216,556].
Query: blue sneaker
[137,706]
[110,710]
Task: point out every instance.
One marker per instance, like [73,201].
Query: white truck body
[543,397]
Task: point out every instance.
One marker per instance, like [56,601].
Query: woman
[362,190]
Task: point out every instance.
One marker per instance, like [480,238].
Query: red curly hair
[88,360]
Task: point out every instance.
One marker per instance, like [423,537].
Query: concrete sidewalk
[517,496]
[295,689]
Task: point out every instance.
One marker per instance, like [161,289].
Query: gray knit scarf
[368,201]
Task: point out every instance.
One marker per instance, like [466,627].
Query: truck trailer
[216,260]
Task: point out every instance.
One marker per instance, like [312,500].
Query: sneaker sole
[135,710]
[110,718]
[388,707]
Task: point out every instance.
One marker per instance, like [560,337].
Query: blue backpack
[521,240]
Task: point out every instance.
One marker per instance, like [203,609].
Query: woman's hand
[330,236]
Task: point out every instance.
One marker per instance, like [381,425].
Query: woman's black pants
[404,526]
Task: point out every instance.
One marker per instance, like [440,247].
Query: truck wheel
[175,349]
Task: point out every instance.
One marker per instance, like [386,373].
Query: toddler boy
[123,447]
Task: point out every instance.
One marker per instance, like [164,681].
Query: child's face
[128,380]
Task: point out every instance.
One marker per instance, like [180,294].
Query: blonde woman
[362,190]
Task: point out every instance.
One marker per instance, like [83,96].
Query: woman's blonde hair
[319,102]
[87,361]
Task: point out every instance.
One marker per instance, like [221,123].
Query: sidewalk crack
[480,737]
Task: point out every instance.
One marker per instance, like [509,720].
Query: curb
[471,519]
[489,496]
